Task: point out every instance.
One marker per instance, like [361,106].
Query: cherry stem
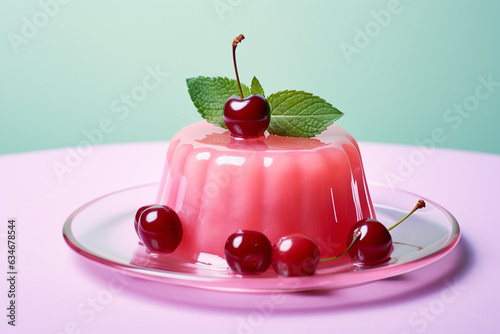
[235,44]
[419,205]
[356,235]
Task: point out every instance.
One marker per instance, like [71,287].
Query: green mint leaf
[209,95]
[256,88]
[300,114]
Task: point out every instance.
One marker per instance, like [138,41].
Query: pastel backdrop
[407,72]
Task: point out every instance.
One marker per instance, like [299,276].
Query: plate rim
[289,284]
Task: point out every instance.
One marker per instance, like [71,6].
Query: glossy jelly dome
[275,185]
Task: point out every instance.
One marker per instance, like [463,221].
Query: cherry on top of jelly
[245,117]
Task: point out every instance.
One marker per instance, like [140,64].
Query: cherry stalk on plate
[245,117]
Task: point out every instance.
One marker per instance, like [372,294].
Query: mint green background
[397,89]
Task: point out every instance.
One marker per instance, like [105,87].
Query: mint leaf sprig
[300,114]
[209,96]
[293,113]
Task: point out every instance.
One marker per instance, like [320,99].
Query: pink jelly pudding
[272,184]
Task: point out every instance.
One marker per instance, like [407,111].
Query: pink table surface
[58,291]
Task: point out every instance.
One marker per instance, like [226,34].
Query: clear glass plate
[102,231]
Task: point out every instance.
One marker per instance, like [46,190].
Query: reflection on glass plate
[102,231]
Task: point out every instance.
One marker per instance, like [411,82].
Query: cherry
[369,241]
[248,252]
[374,244]
[160,229]
[295,255]
[245,117]
[137,216]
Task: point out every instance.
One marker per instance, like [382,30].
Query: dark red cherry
[295,255]
[160,229]
[248,252]
[374,244]
[369,241]
[248,117]
[138,215]
[245,117]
